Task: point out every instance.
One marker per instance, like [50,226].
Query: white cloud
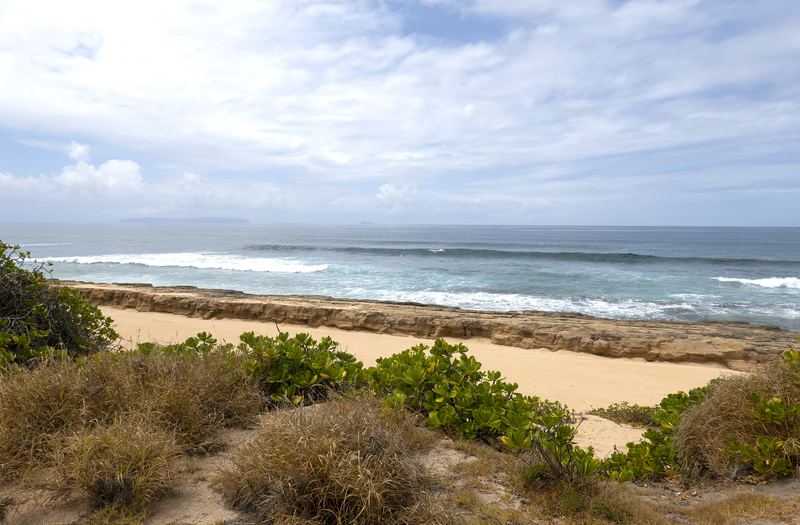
[22,186]
[114,179]
[79,151]
[335,93]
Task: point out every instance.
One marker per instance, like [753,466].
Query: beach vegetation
[108,430]
[736,427]
[634,415]
[448,387]
[39,320]
[655,454]
[299,369]
[748,426]
[338,441]
[345,461]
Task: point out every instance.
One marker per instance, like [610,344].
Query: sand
[581,381]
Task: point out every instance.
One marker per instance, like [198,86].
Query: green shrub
[299,369]
[448,387]
[655,455]
[38,320]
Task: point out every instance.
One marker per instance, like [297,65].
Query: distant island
[187,220]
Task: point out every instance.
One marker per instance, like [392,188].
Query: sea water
[683,274]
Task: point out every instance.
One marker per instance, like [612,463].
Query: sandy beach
[581,381]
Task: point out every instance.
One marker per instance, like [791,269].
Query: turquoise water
[687,274]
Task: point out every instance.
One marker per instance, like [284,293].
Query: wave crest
[200,260]
[769,282]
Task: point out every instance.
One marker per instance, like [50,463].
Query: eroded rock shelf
[738,346]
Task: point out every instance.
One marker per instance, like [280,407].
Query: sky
[551,112]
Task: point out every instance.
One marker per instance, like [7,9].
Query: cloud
[114,179]
[335,94]
[79,152]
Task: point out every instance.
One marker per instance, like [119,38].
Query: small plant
[299,369]
[635,415]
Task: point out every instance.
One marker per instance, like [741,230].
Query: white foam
[200,260]
[624,309]
[770,282]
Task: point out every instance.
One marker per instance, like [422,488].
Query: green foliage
[38,321]
[449,388]
[655,454]
[777,452]
[774,410]
[768,456]
[299,369]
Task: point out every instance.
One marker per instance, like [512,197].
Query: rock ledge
[738,346]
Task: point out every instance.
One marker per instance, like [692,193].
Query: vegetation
[38,320]
[634,415]
[299,369]
[346,461]
[748,425]
[110,426]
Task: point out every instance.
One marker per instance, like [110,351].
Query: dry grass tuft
[190,399]
[34,406]
[128,463]
[346,461]
[193,398]
[591,502]
[728,414]
[749,507]
[109,430]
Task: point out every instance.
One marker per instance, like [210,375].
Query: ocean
[681,274]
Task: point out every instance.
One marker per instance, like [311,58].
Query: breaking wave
[199,260]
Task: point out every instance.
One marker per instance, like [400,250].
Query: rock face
[739,346]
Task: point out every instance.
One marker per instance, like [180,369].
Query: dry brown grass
[740,508]
[109,430]
[128,463]
[193,398]
[728,414]
[36,405]
[592,502]
[345,461]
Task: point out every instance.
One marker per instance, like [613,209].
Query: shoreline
[735,345]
